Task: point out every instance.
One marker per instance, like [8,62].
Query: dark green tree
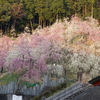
[58,8]
[5,15]
[17,12]
[30,12]
[40,7]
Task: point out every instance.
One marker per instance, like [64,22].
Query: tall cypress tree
[58,8]
[29,8]
[5,15]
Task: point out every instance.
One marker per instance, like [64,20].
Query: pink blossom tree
[5,46]
[24,58]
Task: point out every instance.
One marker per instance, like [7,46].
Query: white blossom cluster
[55,69]
[83,62]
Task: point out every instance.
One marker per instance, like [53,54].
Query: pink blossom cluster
[33,53]
[88,26]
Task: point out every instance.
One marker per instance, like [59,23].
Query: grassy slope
[8,78]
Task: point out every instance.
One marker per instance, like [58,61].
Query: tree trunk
[92,10]
[31,26]
[14,23]
[57,17]
[39,21]
[85,9]
[2,70]
[79,76]
[65,72]
[13,27]
[8,28]
[5,32]
[44,23]
[1,31]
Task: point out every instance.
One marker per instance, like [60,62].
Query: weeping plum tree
[33,56]
[23,57]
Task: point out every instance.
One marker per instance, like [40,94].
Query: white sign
[15,97]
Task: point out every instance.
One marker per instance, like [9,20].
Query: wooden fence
[35,90]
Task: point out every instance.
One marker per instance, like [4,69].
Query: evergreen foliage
[45,12]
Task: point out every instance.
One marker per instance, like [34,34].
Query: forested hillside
[17,14]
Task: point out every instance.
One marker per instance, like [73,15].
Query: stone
[85,78]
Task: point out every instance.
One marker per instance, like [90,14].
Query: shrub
[45,94]
[58,87]
[63,85]
[36,98]
[53,89]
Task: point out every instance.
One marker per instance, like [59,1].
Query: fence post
[46,80]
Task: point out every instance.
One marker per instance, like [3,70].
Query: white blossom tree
[55,70]
[84,62]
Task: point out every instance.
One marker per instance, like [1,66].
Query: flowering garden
[72,45]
